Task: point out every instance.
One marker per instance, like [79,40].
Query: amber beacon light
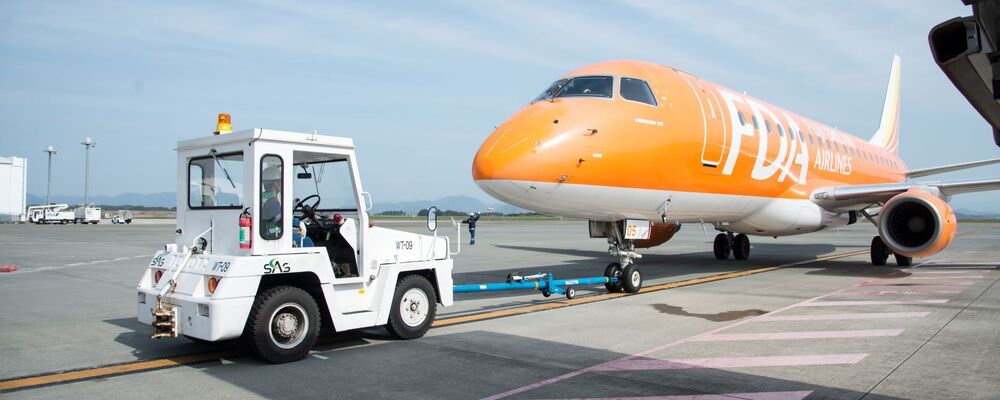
[224,125]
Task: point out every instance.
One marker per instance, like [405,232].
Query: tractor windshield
[216,181]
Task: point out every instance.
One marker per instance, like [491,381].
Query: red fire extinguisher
[246,229]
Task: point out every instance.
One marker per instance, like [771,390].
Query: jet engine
[916,223]
[658,234]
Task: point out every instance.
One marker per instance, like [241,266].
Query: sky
[420,85]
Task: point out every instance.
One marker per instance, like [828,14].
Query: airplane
[639,148]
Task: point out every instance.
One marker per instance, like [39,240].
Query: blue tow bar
[543,282]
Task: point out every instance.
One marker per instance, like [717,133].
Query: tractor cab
[265,192]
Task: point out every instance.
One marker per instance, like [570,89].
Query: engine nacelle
[916,223]
[658,234]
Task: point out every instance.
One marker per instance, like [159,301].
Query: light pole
[88,143]
[48,194]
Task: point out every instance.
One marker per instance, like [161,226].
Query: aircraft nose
[508,155]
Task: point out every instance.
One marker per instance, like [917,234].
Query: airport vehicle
[639,149]
[86,215]
[50,214]
[274,244]
[122,218]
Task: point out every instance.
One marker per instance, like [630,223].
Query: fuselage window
[637,90]
[743,120]
[781,131]
[756,125]
[767,124]
[587,86]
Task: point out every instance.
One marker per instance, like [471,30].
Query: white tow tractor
[274,243]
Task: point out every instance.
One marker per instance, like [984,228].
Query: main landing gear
[726,242]
[629,276]
[880,254]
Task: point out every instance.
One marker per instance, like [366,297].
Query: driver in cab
[270,198]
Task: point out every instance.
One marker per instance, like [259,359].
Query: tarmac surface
[823,324]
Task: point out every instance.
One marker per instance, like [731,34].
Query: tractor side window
[637,90]
[216,181]
[272,184]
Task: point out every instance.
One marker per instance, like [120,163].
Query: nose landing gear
[629,276]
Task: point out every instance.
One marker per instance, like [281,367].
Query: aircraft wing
[860,197]
[949,168]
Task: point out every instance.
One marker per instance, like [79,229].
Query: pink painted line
[870,302]
[836,317]
[885,292]
[733,337]
[918,284]
[728,396]
[573,374]
[947,277]
[731,362]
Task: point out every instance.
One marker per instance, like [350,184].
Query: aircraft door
[714,124]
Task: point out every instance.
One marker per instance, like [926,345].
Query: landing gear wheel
[903,261]
[413,308]
[741,247]
[632,278]
[722,246]
[570,293]
[283,325]
[614,270]
[879,252]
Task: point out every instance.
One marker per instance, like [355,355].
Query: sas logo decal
[275,266]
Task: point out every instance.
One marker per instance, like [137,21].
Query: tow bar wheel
[283,325]
[614,270]
[414,306]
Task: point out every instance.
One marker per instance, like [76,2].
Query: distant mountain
[456,203]
[965,213]
[164,199]
[169,199]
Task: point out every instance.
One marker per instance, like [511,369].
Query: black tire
[282,303]
[879,252]
[741,247]
[546,293]
[903,261]
[632,278]
[613,270]
[722,246]
[570,293]
[414,320]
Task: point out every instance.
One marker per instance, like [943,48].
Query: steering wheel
[308,210]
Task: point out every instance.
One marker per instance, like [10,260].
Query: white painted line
[321,357]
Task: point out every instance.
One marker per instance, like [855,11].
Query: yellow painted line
[111,370]
[655,288]
[141,366]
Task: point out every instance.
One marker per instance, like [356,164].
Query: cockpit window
[587,86]
[637,90]
[551,91]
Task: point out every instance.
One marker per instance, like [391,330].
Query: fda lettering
[404,245]
[275,266]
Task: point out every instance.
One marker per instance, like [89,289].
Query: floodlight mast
[88,143]
[48,194]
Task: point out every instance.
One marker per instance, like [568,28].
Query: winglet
[887,135]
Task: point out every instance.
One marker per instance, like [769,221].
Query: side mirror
[304,175]
[432,219]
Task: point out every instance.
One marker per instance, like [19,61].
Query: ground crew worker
[473,217]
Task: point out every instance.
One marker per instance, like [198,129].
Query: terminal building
[13,189]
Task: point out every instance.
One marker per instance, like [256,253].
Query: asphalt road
[834,328]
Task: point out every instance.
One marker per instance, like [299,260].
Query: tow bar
[541,281]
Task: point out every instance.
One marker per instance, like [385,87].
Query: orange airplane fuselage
[683,150]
